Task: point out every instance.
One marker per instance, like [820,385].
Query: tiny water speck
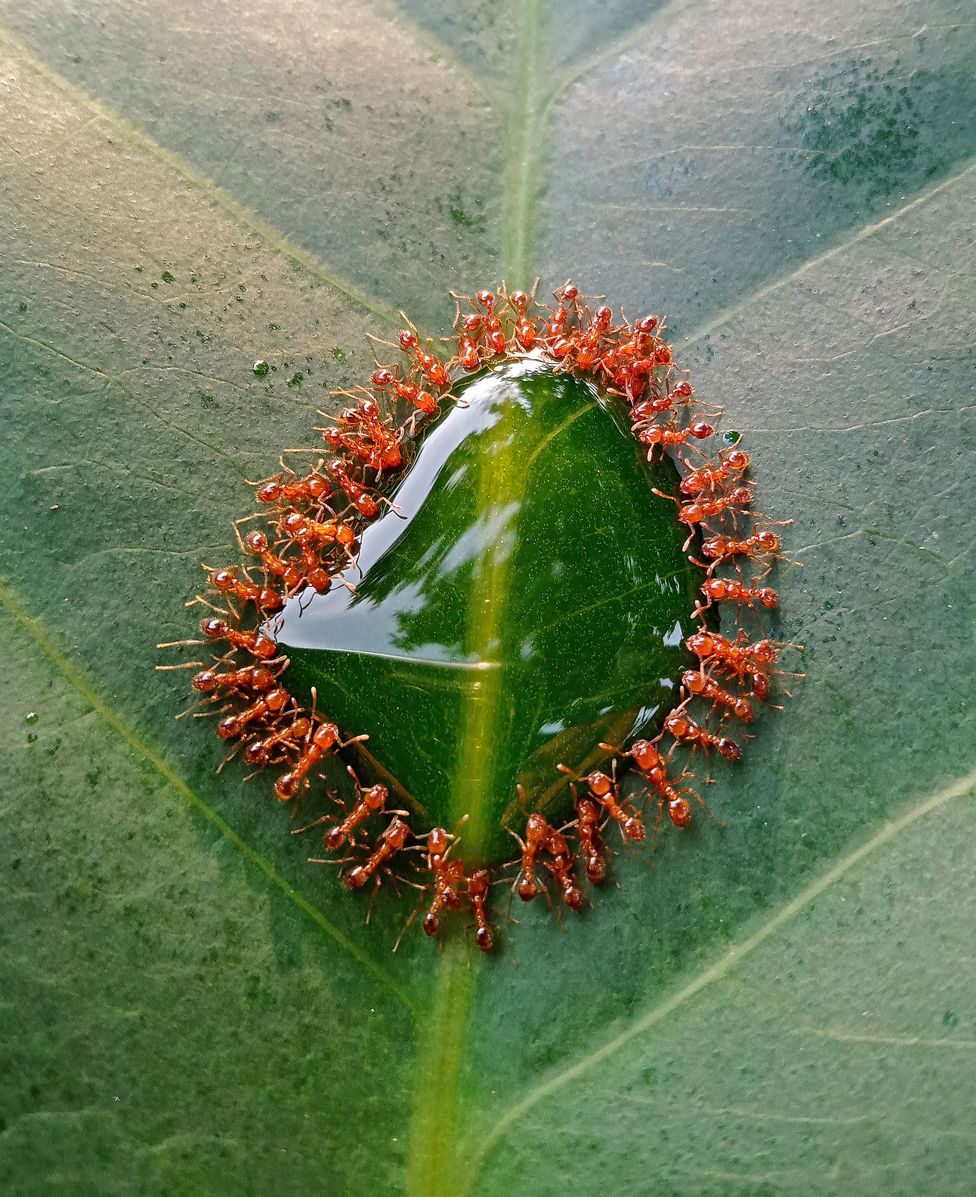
[31,717]
[260,367]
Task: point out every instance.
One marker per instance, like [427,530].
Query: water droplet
[260,367]
[339,355]
[731,438]
[31,717]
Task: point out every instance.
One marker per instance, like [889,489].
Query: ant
[265,750]
[652,766]
[560,865]
[665,436]
[312,489]
[606,792]
[698,684]
[712,476]
[227,581]
[682,727]
[760,545]
[361,497]
[448,876]
[588,817]
[537,832]
[257,678]
[702,509]
[479,884]
[526,332]
[492,327]
[750,662]
[320,743]
[256,643]
[409,392]
[430,366]
[270,705]
[729,590]
[375,444]
[370,800]
[588,342]
[256,543]
[390,842]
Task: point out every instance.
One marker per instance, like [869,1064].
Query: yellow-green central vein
[501,483]
[523,139]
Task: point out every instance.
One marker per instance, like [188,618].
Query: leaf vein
[32,627]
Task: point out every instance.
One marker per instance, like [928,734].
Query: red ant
[408,391]
[312,489]
[430,366]
[757,546]
[729,590]
[537,832]
[252,677]
[680,725]
[493,333]
[370,800]
[668,437]
[707,508]
[479,883]
[700,685]
[264,750]
[588,816]
[227,581]
[588,342]
[448,876]
[526,332]
[468,355]
[273,703]
[560,865]
[255,643]
[361,497]
[288,572]
[374,443]
[302,530]
[390,842]
[606,791]
[713,476]
[750,662]
[651,765]
[320,743]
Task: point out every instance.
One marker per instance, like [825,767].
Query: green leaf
[783,1003]
[522,601]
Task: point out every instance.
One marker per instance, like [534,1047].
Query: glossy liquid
[527,598]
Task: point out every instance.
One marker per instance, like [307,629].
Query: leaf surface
[783,1003]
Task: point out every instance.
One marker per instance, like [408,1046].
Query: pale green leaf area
[779,1002]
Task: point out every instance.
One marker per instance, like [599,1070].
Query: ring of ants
[308,534]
